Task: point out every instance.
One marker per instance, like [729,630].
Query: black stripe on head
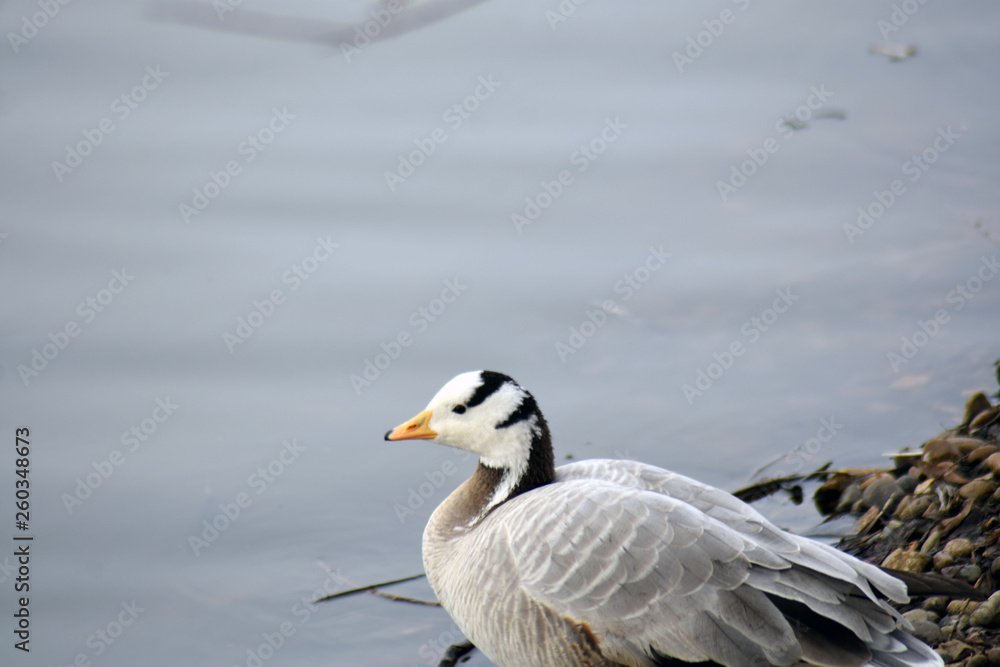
[527,408]
[491,382]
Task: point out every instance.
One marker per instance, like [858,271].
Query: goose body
[606,563]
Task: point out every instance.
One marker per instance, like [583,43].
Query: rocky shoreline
[937,510]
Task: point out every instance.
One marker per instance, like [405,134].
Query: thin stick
[362,589]
[401,598]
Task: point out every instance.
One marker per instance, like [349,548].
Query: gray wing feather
[653,560]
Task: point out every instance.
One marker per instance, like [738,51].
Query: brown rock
[962,606]
[965,445]
[976,489]
[943,559]
[981,453]
[941,450]
[985,616]
[879,490]
[937,604]
[908,561]
[926,631]
[867,519]
[970,573]
[976,404]
[913,506]
[992,463]
[988,613]
[985,418]
[850,496]
[954,650]
[958,548]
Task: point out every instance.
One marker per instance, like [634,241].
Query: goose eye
[459,409]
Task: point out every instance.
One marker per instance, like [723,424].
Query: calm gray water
[189,291]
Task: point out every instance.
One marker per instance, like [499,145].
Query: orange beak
[415,429]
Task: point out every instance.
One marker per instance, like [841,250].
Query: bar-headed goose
[609,562]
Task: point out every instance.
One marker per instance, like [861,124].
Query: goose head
[489,414]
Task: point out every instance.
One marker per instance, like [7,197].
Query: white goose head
[487,413]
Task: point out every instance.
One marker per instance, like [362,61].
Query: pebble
[965,445]
[908,483]
[975,406]
[985,617]
[959,547]
[985,417]
[943,559]
[994,655]
[936,604]
[962,606]
[995,567]
[908,561]
[879,490]
[927,631]
[970,573]
[977,661]
[992,463]
[988,613]
[981,453]
[976,489]
[851,495]
[915,615]
[940,450]
[911,507]
[953,650]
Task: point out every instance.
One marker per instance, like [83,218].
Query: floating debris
[793,122]
[895,51]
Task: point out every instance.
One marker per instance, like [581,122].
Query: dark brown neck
[477,496]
